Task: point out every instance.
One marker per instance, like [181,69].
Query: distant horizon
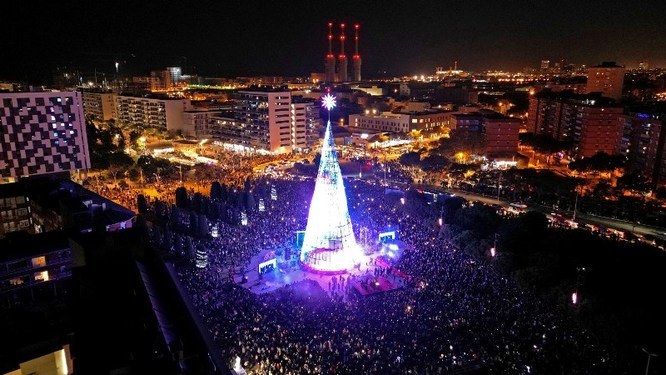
[253,38]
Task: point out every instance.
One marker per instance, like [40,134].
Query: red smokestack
[356,28]
[342,39]
[330,38]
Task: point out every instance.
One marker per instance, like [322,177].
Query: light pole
[575,205]
[650,355]
[180,168]
[499,184]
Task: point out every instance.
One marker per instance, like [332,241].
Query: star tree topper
[328,102]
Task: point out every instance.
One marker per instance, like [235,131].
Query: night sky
[229,38]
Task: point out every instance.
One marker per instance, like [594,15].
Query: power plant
[337,70]
[356,62]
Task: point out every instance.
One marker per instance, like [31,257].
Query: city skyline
[232,39]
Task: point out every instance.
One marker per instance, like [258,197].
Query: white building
[264,120]
[42,132]
[99,105]
[152,112]
[385,122]
[197,122]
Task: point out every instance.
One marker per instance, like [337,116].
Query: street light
[650,355]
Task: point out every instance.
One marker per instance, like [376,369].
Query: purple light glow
[329,244]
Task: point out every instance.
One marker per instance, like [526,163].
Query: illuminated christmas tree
[329,244]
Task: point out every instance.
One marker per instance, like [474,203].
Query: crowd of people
[453,315]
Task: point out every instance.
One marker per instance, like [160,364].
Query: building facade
[42,132]
[501,135]
[264,120]
[597,129]
[152,112]
[196,122]
[99,105]
[607,79]
[427,119]
[643,145]
[592,123]
[499,132]
[385,121]
[27,263]
[15,211]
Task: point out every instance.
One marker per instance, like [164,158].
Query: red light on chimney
[357,26]
[342,25]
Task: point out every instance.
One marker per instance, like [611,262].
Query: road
[625,226]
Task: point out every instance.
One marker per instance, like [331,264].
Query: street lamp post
[575,205]
[499,184]
[650,355]
[180,168]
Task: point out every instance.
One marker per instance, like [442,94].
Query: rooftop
[608,64]
[591,99]
[22,245]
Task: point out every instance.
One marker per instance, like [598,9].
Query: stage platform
[287,273]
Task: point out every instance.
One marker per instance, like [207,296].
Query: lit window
[39,261]
[42,276]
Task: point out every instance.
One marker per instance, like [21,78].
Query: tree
[142,204]
[216,190]
[120,160]
[432,163]
[182,200]
[544,143]
[411,158]
[601,162]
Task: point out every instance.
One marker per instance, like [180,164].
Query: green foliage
[410,158]
[601,162]
[461,141]
[544,143]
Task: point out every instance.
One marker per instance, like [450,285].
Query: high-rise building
[196,122]
[99,105]
[607,79]
[264,120]
[174,76]
[545,65]
[152,111]
[501,135]
[544,113]
[643,145]
[597,129]
[42,132]
[498,132]
[313,124]
[166,79]
[592,123]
